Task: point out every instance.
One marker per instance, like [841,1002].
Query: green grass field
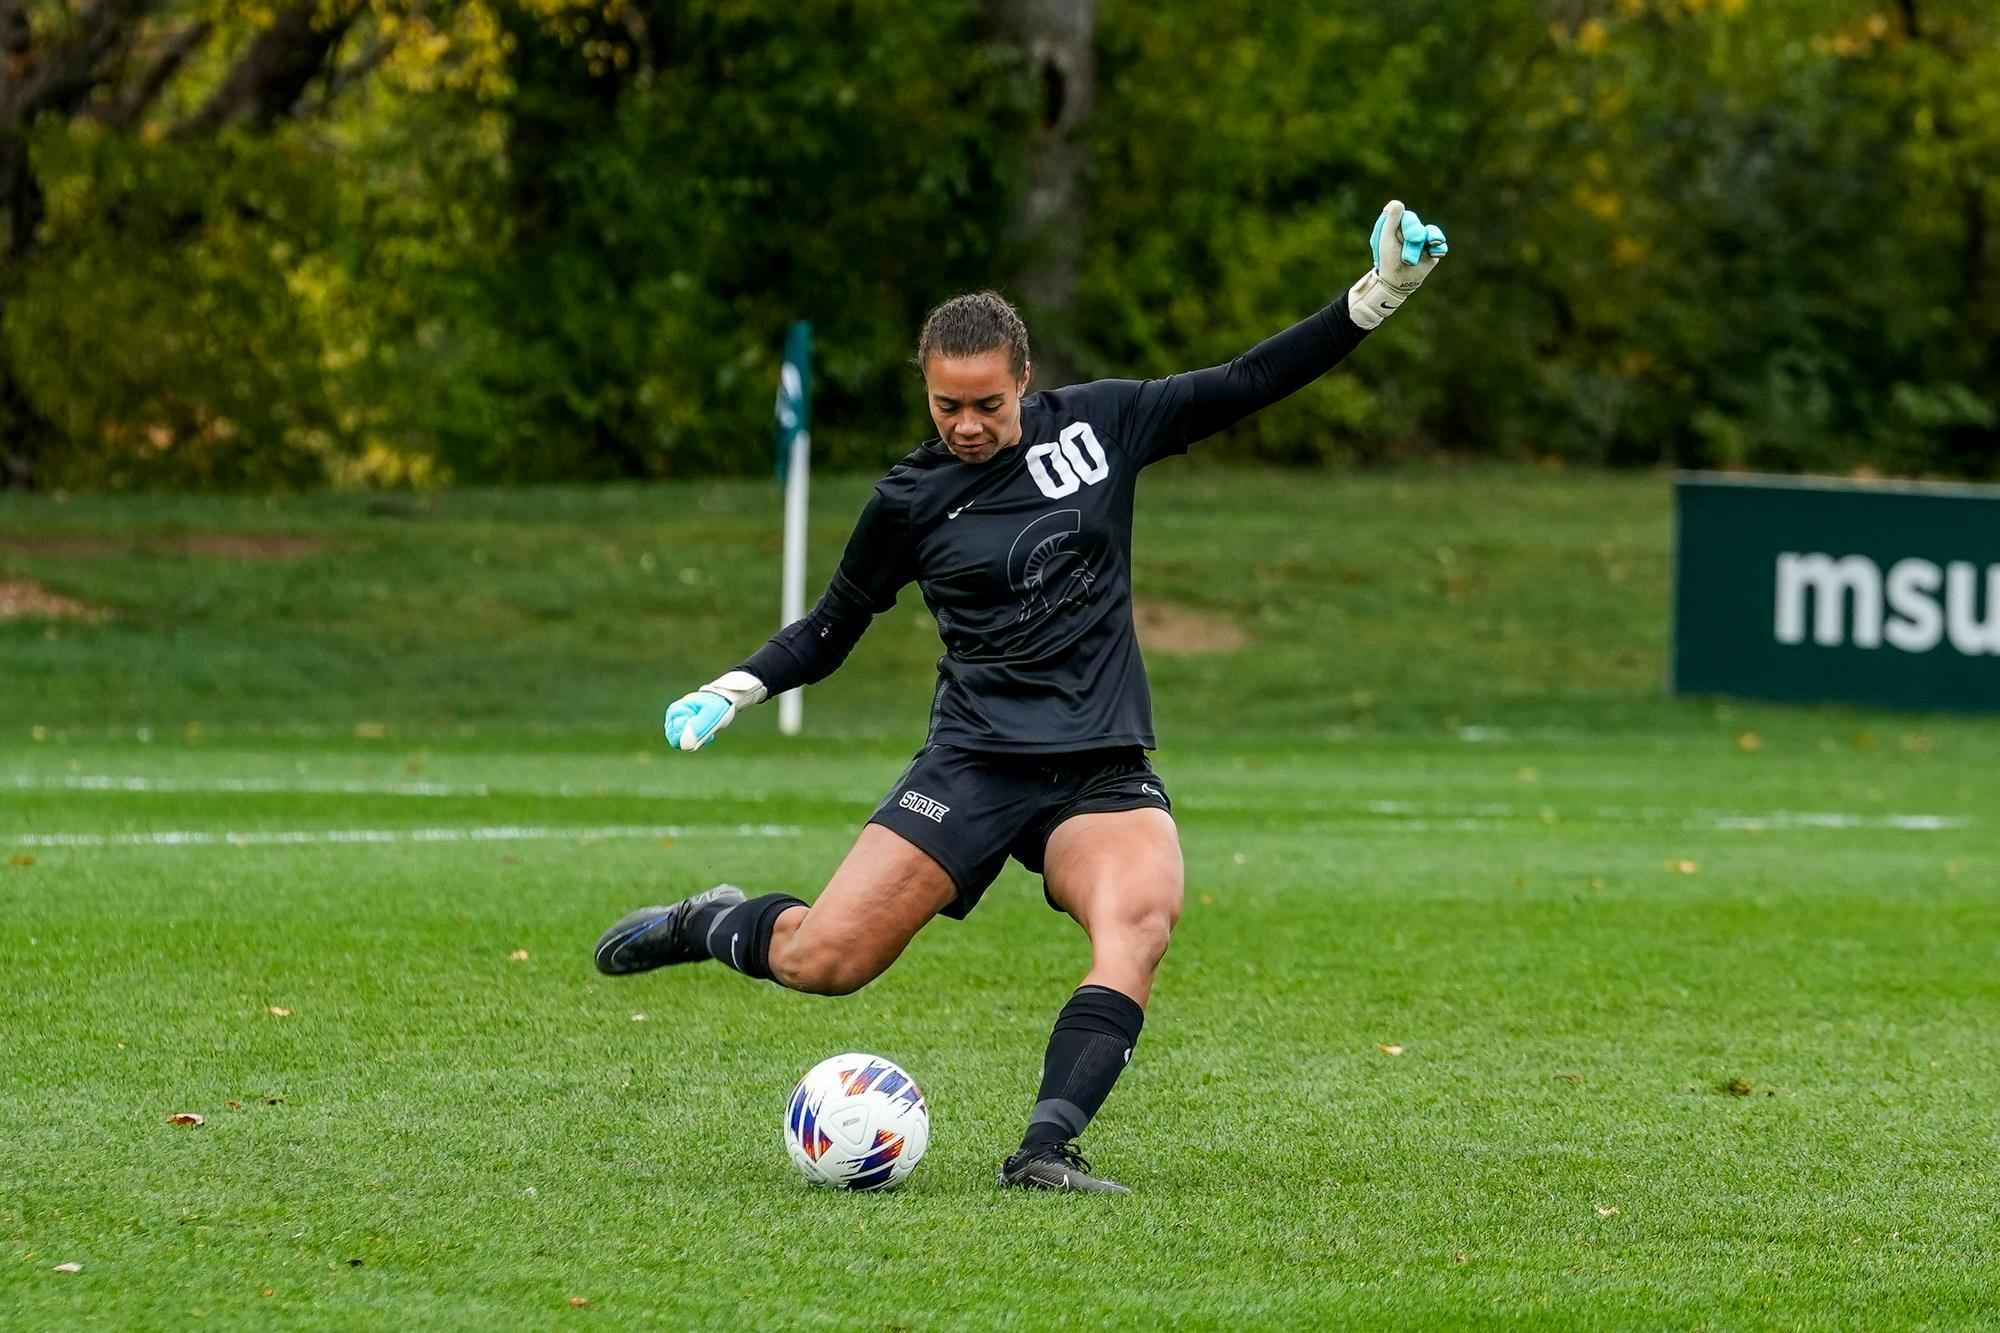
[1698,1004]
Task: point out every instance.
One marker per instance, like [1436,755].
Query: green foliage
[542,239]
[1744,235]
[663,236]
[155,327]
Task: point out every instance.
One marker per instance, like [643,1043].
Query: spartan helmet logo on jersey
[1042,571]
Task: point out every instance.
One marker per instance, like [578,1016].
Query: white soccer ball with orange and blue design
[858,1122]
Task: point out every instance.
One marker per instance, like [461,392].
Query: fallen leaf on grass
[21,860]
[1570,1078]
[277,1012]
[579,1302]
[354,1263]
[188,1118]
[274,1101]
[518,956]
[1392,1050]
[1208,900]
[235,1106]
[67,1268]
[371,731]
[638,1018]
[1736,1087]
[1607,1210]
[1684,867]
[1749,742]
[268,1292]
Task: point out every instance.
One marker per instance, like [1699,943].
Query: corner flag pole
[794,447]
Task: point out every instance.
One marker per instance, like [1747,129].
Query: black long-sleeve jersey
[1026,559]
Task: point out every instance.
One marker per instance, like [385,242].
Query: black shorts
[971,810]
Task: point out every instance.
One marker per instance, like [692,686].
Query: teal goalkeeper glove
[693,719]
[1405,252]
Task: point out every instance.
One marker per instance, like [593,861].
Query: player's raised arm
[1171,414]
[874,568]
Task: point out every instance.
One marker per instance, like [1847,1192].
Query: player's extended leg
[879,898]
[1120,875]
[882,895]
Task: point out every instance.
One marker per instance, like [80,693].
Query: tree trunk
[1056,39]
[270,77]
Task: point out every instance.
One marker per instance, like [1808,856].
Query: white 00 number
[1077,459]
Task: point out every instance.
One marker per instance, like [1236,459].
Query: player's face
[976,403]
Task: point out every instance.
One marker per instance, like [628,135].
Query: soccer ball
[857,1121]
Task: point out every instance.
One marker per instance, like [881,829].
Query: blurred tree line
[282,242]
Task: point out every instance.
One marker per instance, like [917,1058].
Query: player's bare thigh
[1120,875]
[876,902]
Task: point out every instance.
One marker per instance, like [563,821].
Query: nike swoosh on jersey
[954,513]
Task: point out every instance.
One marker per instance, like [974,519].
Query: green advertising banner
[1862,592]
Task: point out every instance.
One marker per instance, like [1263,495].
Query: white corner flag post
[794,445]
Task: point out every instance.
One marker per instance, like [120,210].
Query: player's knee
[1144,930]
[1161,909]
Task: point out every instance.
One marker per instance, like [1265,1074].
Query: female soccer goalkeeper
[1016,522]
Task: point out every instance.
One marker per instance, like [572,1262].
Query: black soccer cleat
[657,936]
[1057,1167]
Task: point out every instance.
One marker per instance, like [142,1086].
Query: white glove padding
[1405,252]
[693,719]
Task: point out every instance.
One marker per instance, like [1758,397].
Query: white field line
[334,837]
[1737,819]
[1701,821]
[1777,822]
[301,786]
[1691,819]
[100,782]
[1433,815]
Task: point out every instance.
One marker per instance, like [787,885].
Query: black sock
[741,936]
[1093,1039]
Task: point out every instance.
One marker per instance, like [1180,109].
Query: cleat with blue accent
[659,936]
[1057,1167]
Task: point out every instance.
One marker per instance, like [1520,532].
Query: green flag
[794,393]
